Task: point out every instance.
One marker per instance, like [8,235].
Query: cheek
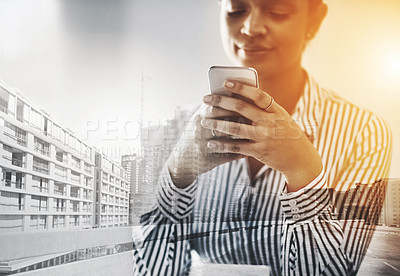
[292,42]
[229,35]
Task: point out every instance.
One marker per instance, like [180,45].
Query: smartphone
[217,75]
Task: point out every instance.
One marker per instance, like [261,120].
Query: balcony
[39,208]
[21,119]
[88,169]
[60,171]
[40,189]
[59,208]
[11,207]
[12,184]
[75,178]
[42,149]
[60,158]
[3,106]
[59,192]
[74,223]
[15,161]
[74,194]
[40,168]
[19,138]
[76,163]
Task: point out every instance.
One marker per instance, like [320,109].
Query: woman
[269,197]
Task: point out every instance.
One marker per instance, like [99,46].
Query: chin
[263,69]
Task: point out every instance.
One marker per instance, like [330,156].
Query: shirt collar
[308,108]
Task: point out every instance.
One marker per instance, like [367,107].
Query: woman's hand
[273,138]
[191,156]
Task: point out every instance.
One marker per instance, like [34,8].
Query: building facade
[48,174]
[46,171]
[391,208]
[157,142]
[112,196]
[130,164]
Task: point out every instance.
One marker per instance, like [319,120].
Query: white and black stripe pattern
[322,229]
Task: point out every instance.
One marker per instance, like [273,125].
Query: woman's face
[268,35]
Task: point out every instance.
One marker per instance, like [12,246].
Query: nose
[254,24]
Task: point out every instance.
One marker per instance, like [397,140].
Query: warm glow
[391,65]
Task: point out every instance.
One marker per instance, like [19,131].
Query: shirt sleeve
[161,245]
[308,202]
[310,228]
[174,203]
[314,241]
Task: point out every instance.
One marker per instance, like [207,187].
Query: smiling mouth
[253,51]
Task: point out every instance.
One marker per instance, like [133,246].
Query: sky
[89,62]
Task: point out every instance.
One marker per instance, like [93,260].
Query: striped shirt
[323,229]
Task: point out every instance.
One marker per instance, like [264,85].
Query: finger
[238,130]
[217,112]
[231,146]
[238,106]
[202,134]
[261,98]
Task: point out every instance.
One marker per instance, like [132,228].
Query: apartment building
[112,196]
[46,171]
[157,142]
[130,164]
[391,208]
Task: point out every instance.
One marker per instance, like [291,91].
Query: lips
[252,50]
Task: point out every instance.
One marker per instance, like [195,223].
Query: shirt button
[292,202]
[295,209]
[296,216]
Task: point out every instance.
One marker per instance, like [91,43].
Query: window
[59,188]
[75,162]
[39,203]
[46,128]
[86,151]
[59,204]
[60,171]
[74,220]
[3,100]
[36,119]
[75,177]
[10,201]
[8,179]
[15,133]
[41,146]
[74,192]
[61,156]
[58,133]
[87,168]
[38,222]
[18,180]
[40,165]
[74,206]
[21,110]
[58,221]
[40,184]
[11,223]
